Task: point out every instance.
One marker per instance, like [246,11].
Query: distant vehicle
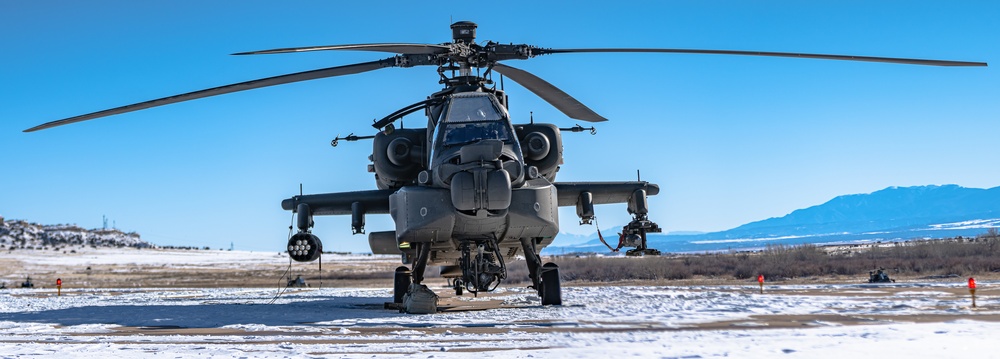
[298,282]
[879,276]
[27,283]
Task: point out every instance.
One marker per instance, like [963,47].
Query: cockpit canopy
[472,117]
[474,128]
[473,107]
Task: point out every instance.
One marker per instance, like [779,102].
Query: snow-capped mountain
[894,213]
[893,208]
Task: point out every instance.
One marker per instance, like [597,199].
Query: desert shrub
[924,257]
[604,269]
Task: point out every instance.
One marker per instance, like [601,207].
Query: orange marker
[58,286]
[972,290]
[760,279]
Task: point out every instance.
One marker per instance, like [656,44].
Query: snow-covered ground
[173,258]
[902,320]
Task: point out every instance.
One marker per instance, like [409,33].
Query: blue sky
[729,139]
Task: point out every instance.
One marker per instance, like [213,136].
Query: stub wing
[602,192]
[377,201]
[374,202]
[584,195]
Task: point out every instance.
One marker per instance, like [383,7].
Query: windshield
[472,109]
[469,132]
[471,118]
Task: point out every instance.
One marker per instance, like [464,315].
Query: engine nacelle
[541,145]
[398,157]
[535,146]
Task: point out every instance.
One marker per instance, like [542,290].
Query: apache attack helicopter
[472,190]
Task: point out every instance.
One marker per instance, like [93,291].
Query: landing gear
[544,279]
[417,298]
[458,285]
[401,283]
[551,291]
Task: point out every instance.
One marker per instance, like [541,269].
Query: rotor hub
[464,32]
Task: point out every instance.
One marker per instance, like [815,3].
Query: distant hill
[893,208]
[24,235]
[894,213]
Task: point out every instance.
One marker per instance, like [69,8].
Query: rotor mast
[464,35]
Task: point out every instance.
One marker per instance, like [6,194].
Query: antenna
[637,176]
[531,114]
[300,189]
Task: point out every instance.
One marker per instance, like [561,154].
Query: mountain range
[891,214]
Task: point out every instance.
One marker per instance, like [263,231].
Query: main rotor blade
[242,86]
[396,48]
[774,54]
[551,94]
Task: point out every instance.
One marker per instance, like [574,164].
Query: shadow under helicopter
[319,311]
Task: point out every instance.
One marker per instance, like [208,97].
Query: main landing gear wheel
[544,278]
[551,291]
[401,283]
[459,286]
[418,299]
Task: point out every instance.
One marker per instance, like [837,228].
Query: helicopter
[472,190]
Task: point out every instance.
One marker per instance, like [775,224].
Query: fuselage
[476,185]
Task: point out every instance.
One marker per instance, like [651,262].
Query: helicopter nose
[481,188]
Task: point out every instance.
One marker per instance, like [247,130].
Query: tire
[458,291]
[551,292]
[401,283]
